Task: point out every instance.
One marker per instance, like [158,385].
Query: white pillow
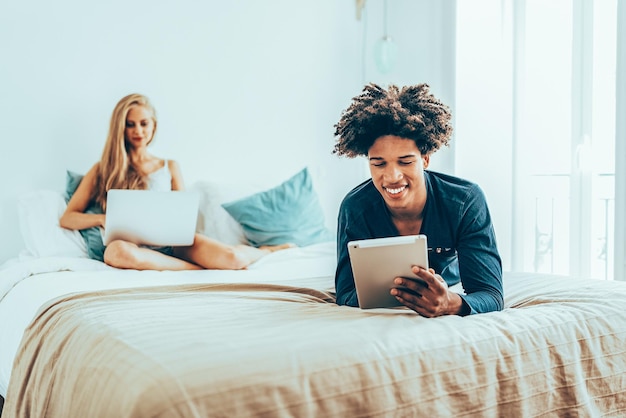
[213,220]
[39,214]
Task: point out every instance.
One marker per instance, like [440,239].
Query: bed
[81,339]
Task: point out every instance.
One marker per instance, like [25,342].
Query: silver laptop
[159,218]
[377,262]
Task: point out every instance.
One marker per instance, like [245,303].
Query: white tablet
[376,262]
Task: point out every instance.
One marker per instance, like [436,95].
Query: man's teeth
[395,191]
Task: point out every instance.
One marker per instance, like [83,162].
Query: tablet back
[376,262]
[150,217]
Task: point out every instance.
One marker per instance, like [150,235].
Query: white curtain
[620,146]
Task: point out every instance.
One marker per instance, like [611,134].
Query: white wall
[424,33]
[245,91]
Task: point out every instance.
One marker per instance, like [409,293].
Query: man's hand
[428,296]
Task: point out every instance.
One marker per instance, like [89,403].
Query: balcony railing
[550,246]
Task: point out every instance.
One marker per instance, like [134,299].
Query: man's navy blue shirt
[461,239]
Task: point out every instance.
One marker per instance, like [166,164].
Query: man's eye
[406,162]
[378,164]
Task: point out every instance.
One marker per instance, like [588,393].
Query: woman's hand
[429,295]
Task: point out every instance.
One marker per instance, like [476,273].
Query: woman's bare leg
[126,255]
[212,254]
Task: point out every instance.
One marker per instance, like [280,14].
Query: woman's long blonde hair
[116,170]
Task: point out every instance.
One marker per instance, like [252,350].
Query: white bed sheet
[25,285]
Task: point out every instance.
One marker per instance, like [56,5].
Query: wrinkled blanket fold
[237,350]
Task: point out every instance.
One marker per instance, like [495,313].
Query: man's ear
[426,160]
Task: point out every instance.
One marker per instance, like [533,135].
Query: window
[536,103]
[566,135]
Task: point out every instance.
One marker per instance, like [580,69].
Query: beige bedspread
[238,350]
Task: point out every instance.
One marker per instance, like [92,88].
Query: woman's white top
[161,179]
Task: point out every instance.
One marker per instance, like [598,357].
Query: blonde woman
[127,164]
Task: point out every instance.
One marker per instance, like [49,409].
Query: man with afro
[397,130]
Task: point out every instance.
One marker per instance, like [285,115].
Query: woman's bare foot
[273,248]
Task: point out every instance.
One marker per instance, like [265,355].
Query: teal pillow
[72,180]
[92,236]
[290,212]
